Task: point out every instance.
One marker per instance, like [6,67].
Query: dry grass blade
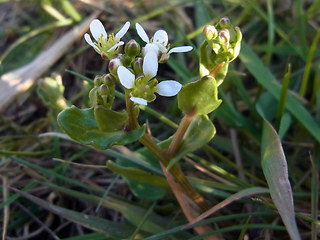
[6,209]
[232,198]
[186,208]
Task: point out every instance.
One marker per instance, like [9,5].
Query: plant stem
[133,122]
[175,171]
[163,157]
[178,136]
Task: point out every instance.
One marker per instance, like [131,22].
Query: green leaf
[81,126]
[268,81]
[200,96]
[117,230]
[143,184]
[200,132]
[109,120]
[275,170]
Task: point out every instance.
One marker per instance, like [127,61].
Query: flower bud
[107,79]
[98,80]
[114,64]
[225,22]
[224,36]
[137,66]
[132,48]
[93,97]
[210,32]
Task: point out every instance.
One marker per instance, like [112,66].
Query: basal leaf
[81,126]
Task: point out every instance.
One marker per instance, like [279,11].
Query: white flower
[146,88]
[106,46]
[159,43]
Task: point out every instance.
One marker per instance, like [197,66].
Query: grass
[54,188]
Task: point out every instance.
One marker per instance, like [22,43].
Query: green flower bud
[93,97]
[132,49]
[108,79]
[98,80]
[104,93]
[137,66]
[224,38]
[210,32]
[224,22]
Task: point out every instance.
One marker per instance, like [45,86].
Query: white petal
[89,41]
[180,49]
[122,31]
[126,77]
[151,47]
[150,65]
[142,33]
[139,100]
[115,46]
[161,37]
[168,88]
[97,29]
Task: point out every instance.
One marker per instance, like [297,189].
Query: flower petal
[180,49]
[160,37]
[168,88]
[142,33]
[97,29]
[139,100]
[122,31]
[89,41]
[115,46]
[126,77]
[150,65]
[150,47]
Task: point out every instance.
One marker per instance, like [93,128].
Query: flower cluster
[137,68]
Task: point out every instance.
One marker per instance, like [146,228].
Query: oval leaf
[81,126]
[201,96]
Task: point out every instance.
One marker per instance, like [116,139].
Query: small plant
[136,69]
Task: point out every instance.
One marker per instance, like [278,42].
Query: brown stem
[133,122]
[178,136]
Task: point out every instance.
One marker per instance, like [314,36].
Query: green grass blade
[307,70]
[117,230]
[268,81]
[69,9]
[270,32]
[275,170]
